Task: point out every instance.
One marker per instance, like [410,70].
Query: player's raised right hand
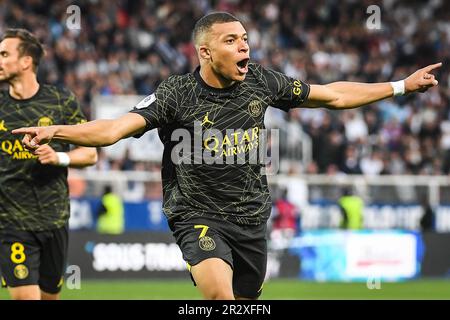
[36,136]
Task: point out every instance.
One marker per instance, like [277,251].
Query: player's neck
[24,88]
[213,79]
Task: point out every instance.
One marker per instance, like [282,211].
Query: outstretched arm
[346,95]
[88,134]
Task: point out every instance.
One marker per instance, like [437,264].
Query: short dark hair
[29,45]
[107,189]
[206,22]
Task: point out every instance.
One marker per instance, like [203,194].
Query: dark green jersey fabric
[33,196]
[236,192]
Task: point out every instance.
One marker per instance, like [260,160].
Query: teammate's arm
[82,156]
[78,157]
[346,95]
[89,134]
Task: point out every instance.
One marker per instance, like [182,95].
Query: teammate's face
[229,51]
[10,60]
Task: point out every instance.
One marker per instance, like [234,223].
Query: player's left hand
[46,155]
[422,79]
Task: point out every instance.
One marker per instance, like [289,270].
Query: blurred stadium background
[394,154]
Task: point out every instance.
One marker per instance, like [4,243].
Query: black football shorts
[33,258]
[243,247]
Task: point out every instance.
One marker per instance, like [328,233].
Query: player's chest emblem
[206,121]
[45,122]
[255,108]
[3,126]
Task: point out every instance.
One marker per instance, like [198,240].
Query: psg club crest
[45,122]
[255,108]
[206,243]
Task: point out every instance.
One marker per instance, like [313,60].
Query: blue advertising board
[337,255]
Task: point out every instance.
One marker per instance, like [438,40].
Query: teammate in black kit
[218,211]
[34,200]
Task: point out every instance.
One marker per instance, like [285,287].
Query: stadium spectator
[111,213]
[352,207]
[285,220]
[427,219]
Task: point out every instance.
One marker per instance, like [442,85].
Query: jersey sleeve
[159,108]
[286,92]
[71,109]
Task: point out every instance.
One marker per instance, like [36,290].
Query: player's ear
[26,62]
[204,52]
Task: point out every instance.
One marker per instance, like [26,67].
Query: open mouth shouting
[242,65]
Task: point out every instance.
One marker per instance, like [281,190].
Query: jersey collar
[28,99]
[212,90]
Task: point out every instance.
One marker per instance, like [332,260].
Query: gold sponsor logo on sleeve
[297,90]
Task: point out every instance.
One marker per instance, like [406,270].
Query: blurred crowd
[129,47]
